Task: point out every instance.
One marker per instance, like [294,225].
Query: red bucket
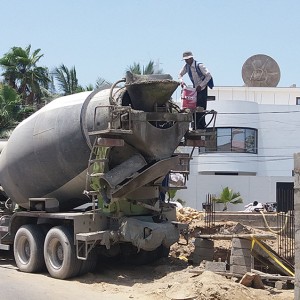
[189,97]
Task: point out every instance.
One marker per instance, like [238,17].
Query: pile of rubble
[217,251]
[188,214]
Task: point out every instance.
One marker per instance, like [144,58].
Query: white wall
[272,111]
[260,95]
[278,138]
[251,188]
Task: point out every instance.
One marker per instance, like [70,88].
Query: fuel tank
[47,154]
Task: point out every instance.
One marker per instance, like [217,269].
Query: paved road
[16,285]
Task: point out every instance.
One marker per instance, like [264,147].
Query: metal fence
[209,211]
[286,220]
[286,235]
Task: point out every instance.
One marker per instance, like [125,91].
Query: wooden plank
[272,276]
[241,236]
[261,274]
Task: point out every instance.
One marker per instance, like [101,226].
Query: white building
[257,134]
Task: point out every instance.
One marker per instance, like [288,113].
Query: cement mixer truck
[86,177]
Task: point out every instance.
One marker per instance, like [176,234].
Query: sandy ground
[170,279]
[173,277]
[166,279]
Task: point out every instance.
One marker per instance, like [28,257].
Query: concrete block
[241,252]
[240,269]
[280,285]
[241,243]
[240,260]
[215,266]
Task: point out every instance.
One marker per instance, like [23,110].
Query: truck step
[90,236]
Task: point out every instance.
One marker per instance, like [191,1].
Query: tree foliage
[228,196]
[26,86]
[9,106]
[34,86]
[67,80]
[22,73]
[144,70]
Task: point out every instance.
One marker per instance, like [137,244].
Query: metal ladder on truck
[118,125]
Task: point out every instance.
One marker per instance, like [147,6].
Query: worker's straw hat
[187,55]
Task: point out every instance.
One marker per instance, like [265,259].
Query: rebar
[209,212]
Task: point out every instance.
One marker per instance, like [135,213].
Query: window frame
[230,147]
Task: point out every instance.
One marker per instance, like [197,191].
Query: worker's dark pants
[200,117]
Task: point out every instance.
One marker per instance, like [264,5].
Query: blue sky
[102,38]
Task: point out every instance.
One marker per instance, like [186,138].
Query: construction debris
[252,280]
[222,251]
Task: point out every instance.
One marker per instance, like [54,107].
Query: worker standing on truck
[201,79]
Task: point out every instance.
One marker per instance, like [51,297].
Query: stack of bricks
[204,250]
[240,259]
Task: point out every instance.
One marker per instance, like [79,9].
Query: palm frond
[135,68]
[149,69]
[228,196]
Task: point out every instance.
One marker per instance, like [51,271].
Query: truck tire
[60,253]
[28,249]
[90,264]
[141,257]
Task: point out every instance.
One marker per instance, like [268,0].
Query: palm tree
[67,80]
[228,196]
[135,68]
[148,70]
[22,73]
[9,106]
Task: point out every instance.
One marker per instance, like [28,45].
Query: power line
[258,113]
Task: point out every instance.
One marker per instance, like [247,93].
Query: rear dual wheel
[28,248]
[60,253]
[32,251]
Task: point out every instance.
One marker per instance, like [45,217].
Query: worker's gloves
[182,84]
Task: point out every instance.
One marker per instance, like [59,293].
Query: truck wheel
[141,257]
[90,264]
[60,254]
[28,249]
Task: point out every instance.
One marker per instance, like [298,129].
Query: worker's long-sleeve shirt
[202,82]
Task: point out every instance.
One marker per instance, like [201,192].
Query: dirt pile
[198,226]
[176,278]
[170,280]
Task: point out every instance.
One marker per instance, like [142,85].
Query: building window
[237,139]
[297,100]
